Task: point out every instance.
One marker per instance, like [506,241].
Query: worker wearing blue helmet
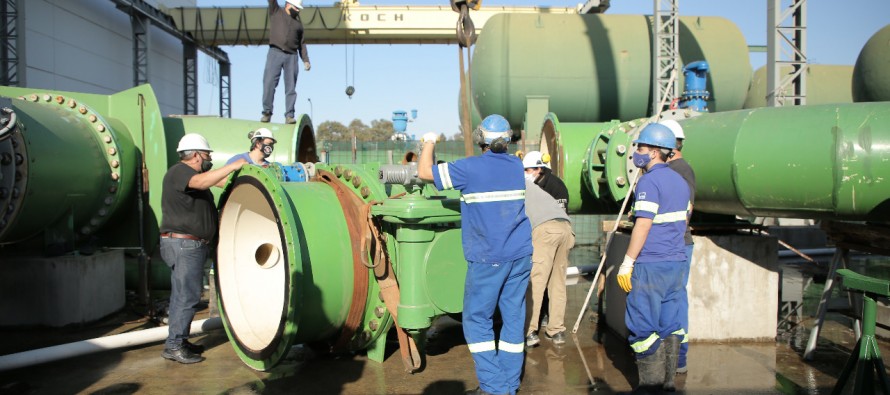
[496,238]
[653,269]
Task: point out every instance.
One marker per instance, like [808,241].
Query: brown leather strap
[389,289]
[351,205]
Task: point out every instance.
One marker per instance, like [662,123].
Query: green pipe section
[596,68]
[77,162]
[285,268]
[871,76]
[826,84]
[821,162]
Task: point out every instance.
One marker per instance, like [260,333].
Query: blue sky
[425,77]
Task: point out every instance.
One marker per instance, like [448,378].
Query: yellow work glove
[624,272]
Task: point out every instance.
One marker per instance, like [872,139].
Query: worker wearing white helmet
[262,144]
[188,226]
[286,42]
[537,170]
[679,165]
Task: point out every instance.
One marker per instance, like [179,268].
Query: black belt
[172,235]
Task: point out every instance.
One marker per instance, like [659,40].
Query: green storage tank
[871,75]
[596,68]
[826,84]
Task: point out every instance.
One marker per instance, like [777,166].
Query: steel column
[9,44]
[190,78]
[141,46]
[225,89]
[665,52]
[788,40]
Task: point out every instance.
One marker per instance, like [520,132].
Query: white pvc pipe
[62,351]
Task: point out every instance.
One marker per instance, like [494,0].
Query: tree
[381,130]
[332,131]
[358,129]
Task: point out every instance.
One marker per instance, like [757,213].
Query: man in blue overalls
[656,284]
[496,237]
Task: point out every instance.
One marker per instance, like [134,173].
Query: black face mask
[267,150]
[293,13]
[206,165]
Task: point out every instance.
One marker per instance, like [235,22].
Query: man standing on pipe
[679,165]
[262,144]
[655,284]
[285,42]
[496,237]
[189,223]
[552,237]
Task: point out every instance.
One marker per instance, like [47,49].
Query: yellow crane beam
[345,23]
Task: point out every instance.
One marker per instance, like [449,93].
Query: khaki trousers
[551,241]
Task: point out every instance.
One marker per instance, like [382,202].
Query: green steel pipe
[596,67]
[821,162]
[826,84]
[286,270]
[76,160]
[871,76]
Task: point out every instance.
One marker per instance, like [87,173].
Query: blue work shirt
[494,226]
[246,156]
[663,196]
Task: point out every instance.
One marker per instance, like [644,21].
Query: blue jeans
[186,261]
[276,60]
[488,286]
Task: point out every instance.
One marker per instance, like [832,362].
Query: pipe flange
[106,143]
[13,178]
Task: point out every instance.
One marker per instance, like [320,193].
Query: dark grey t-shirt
[286,33]
[186,210]
[682,167]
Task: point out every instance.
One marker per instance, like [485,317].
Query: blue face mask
[641,160]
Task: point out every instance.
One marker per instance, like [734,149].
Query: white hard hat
[675,128]
[296,3]
[262,133]
[535,159]
[193,142]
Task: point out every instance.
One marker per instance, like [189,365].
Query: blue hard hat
[492,127]
[657,135]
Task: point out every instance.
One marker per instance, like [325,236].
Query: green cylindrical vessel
[228,137]
[826,84]
[281,281]
[871,75]
[595,67]
[72,170]
[821,162]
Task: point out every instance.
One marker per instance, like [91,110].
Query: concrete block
[733,288]
[63,290]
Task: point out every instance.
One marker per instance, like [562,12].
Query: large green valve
[295,261]
[825,161]
[596,68]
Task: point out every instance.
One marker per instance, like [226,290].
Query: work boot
[290,120]
[267,117]
[194,348]
[532,340]
[181,355]
[651,370]
[559,338]
[671,347]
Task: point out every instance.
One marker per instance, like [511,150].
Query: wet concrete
[593,361]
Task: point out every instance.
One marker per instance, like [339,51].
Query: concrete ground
[593,361]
